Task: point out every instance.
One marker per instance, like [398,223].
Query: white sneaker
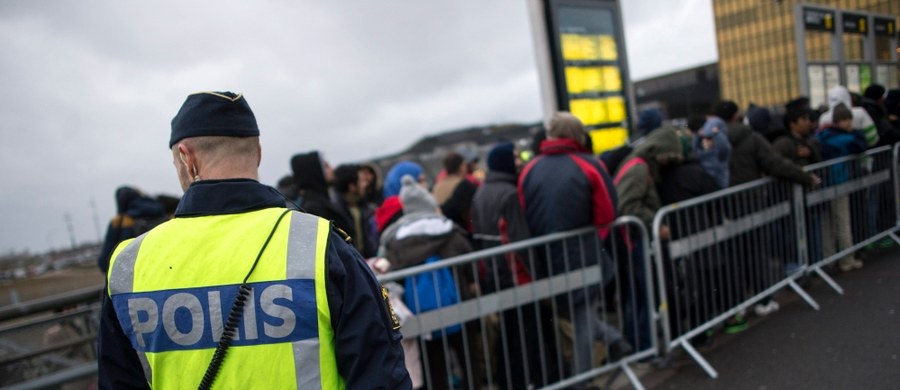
[764,310]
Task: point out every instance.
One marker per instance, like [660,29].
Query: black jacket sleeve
[118,364]
[367,345]
[774,164]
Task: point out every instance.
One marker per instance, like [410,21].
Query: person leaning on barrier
[296,303]
[752,155]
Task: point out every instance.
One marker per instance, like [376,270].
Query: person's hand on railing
[664,232]
[816,180]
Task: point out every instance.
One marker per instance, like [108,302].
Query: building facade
[758,46]
[680,94]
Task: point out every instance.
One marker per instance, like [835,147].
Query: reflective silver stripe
[301,253]
[121,279]
[306,351]
[301,264]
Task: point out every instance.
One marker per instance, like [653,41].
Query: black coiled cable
[234,317]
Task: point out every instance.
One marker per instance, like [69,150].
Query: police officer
[236,291]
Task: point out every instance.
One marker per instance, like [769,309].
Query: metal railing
[562,327]
[736,247]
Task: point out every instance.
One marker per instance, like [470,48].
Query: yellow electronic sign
[591,80]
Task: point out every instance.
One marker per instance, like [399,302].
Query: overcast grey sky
[90,87]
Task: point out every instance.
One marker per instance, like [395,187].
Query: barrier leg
[802,293]
[836,287]
[896,239]
[699,359]
[635,382]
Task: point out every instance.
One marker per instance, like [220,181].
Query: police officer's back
[236,291]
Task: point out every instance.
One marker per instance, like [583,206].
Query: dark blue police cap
[213,114]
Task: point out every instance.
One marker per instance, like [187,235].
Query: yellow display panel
[577,47]
[612,79]
[590,111]
[581,47]
[608,50]
[598,111]
[615,107]
[593,79]
[606,139]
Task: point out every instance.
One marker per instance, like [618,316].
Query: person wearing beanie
[649,120]
[423,234]
[416,199]
[861,119]
[391,209]
[497,219]
[840,140]
[231,242]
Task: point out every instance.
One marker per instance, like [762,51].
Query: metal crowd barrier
[54,347]
[855,206]
[727,251]
[556,330]
[734,248]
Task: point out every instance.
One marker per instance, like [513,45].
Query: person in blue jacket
[840,140]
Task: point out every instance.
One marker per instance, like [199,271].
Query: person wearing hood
[371,182]
[420,234]
[635,185]
[713,151]
[136,213]
[861,119]
[312,177]
[752,155]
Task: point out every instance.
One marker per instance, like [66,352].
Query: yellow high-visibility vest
[173,287]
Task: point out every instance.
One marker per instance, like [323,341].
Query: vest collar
[232,196]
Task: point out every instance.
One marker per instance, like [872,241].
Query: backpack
[432,290]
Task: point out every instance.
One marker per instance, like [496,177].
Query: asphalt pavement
[852,342]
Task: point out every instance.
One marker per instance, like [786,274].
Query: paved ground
[852,342]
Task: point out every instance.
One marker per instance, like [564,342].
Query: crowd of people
[401,220]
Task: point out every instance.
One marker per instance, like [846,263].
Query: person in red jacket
[563,189]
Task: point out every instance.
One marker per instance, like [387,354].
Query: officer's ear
[187,159]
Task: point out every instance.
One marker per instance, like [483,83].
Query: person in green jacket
[636,182]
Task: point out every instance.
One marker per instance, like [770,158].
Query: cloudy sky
[90,87]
